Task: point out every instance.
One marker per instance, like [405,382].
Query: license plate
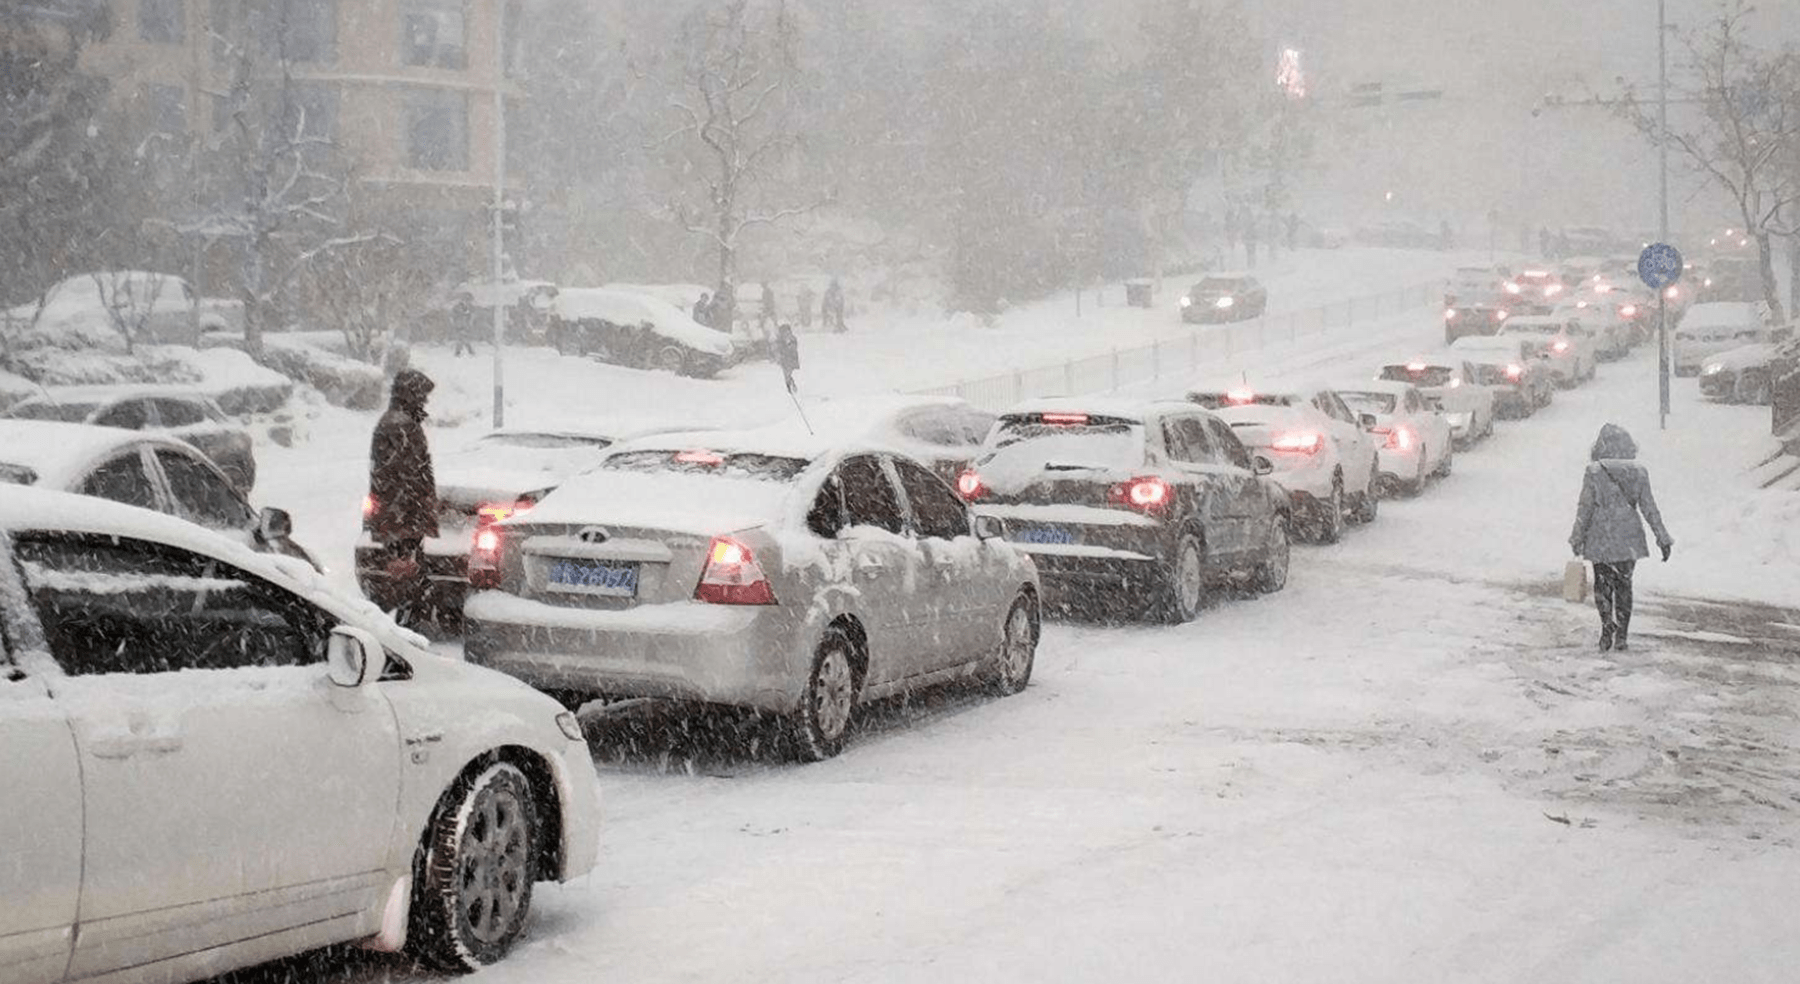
[1044,535]
[594,577]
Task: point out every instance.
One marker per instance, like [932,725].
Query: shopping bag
[1575,581]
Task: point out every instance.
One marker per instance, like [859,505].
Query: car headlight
[1186,301]
[571,726]
[1712,369]
[1224,302]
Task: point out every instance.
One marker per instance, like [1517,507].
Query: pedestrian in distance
[402,509]
[767,313]
[831,309]
[703,309]
[804,299]
[1609,532]
[462,326]
[787,354]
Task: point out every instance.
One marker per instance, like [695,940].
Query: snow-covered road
[1410,765]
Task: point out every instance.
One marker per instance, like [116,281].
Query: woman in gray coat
[1608,532]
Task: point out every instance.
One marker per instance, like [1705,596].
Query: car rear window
[17,474]
[1426,376]
[1517,328]
[72,413]
[1369,402]
[735,465]
[1102,443]
[1226,400]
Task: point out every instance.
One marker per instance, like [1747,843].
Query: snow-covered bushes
[343,380]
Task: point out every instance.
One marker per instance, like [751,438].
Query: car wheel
[1444,467]
[1018,649]
[1368,502]
[476,871]
[1183,591]
[670,358]
[1329,524]
[826,708]
[1417,484]
[1271,576]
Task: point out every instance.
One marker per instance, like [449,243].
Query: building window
[432,34]
[165,108]
[302,30]
[437,131]
[162,21]
[312,110]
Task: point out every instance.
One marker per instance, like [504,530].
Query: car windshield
[1422,376]
[740,465]
[73,413]
[1220,285]
[1370,402]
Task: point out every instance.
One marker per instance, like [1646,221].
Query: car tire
[1328,524]
[1181,590]
[1368,502]
[670,358]
[476,867]
[1448,463]
[1018,649]
[1272,574]
[1417,484]
[829,704]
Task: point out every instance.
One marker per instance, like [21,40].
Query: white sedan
[211,760]
[1447,382]
[1416,443]
[1571,350]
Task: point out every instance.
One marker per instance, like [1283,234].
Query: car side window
[205,495]
[932,427]
[1232,450]
[179,413]
[129,414]
[1196,446]
[826,517]
[117,605]
[975,426]
[869,498]
[937,512]
[122,479]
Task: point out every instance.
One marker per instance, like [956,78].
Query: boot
[1607,640]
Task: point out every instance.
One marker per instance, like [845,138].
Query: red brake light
[1449,314]
[484,559]
[1066,419]
[494,512]
[1149,493]
[969,485]
[1560,346]
[1415,367]
[1241,396]
[1512,288]
[699,458]
[1628,311]
[733,577]
[1514,371]
[1305,442]
[1399,438]
[368,506]
[1499,315]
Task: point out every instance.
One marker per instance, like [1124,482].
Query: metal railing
[1183,355]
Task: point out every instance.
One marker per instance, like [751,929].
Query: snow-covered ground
[1409,765]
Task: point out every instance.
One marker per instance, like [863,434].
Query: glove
[1667,549]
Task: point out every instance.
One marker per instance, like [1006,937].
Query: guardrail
[1184,354]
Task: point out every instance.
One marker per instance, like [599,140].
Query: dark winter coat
[401,481]
[1614,493]
[787,349]
[834,301]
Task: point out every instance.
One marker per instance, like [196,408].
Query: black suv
[1136,505]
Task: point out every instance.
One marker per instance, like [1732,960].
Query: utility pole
[1662,229]
[499,232]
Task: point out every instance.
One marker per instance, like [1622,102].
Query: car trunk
[601,567]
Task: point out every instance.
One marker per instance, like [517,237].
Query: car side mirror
[989,527]
[1261,466]
[274,524]
[354,658]
[1368,421]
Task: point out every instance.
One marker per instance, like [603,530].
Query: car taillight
[1512,288]
[1065,419]
[368,506]
[1449,314]
[1628,311]
[1149,493]
[1514,371]
[1559,346]
[1304,442]
[494,512]
[484,558]
[733,577]
[969,485]
[1499,315]
[1398,438]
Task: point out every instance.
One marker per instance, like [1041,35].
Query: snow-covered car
[1476,285]
[1323,453]
[637,331]
[794,576]
[1448,383]
[503,473]
[1514,370]
[1224,297]
[212,759]
[1534,290]
[1615,333]
[144,470]
[1416,443]
[1714,327]
[1135,505]
[177,411]
[1474,318]
[94,308]
[1570,350]
[1745,374]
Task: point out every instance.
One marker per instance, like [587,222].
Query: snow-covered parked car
[1714,327]
[503,473]
[1448,383]
[144,470]
[794,576]
[95,308]
[176,411]
[1571,350]
[1415,436]
[637,331]
[212,759]
[1745,374]
[1323,453]
[1134,505]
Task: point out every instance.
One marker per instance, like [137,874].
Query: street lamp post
[1662,229]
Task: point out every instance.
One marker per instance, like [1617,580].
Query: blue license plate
[1045,535]
[594,577]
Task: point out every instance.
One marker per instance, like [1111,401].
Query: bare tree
[130,299]
[734,111]
[1749,121]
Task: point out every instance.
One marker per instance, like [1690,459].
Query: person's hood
[410,389]
[1614,444]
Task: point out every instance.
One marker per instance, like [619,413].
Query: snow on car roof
[56,451]
[1301,388]
[1128,409]
[621,307]
[705,505]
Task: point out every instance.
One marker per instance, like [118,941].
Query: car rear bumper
[746,656]
[1394,465]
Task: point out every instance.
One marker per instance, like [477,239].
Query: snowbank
[343,380]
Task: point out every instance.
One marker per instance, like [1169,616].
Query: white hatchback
[210,760]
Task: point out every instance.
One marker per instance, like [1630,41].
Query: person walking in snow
[767,313]
[703,309]
[402,507]
[831,310]
[787,354]
[1608,532]
[462,325]
[804,300]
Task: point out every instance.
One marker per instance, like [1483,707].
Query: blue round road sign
[1659,265]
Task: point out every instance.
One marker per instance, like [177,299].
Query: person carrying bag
[1615,503]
